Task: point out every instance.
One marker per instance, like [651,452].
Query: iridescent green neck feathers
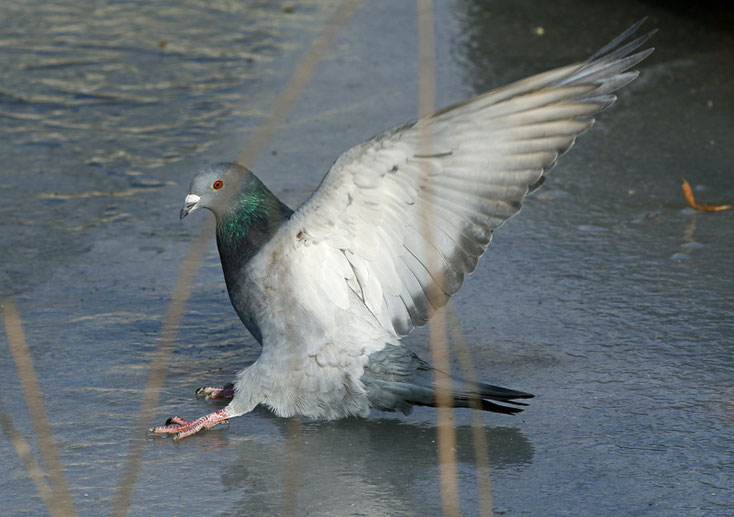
[249,222]
[247,211]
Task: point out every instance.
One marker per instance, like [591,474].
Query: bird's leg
[210,392]
[183,428]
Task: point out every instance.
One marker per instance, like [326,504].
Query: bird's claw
[176,420]
[211,392]
[173,425]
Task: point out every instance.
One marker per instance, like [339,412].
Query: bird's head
[214,187]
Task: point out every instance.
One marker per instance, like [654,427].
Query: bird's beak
[191,203]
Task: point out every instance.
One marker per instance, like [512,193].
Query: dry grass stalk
[437,324]
[302,73]
[62,505]
[479,437]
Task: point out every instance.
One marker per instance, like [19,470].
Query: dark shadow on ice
[379,466]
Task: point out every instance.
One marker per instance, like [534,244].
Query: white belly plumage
[311,363]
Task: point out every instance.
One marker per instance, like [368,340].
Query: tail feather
[395,379]
[480,396]
[487,405]
[502,394]
[401,396]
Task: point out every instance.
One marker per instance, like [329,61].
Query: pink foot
[210,392]
[183,428]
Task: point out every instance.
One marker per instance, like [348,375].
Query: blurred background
[607,297]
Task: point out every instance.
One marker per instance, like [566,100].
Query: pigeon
[329,289]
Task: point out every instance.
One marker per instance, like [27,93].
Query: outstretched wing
[400,219]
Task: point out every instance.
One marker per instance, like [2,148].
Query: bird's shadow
[376,464]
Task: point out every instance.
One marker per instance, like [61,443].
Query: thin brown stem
[479,437]
[182,290]
[63,504]
[23,449]
[437,324]
[153,388]
[292,467]
[301,75]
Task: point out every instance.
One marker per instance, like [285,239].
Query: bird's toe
[211,392]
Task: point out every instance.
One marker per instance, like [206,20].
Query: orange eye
[217,184]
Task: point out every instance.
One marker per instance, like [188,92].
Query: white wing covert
[400,226]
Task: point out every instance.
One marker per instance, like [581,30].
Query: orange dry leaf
[688,193]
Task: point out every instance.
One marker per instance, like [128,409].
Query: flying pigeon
[385,240]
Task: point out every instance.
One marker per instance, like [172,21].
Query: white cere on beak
[190,204]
